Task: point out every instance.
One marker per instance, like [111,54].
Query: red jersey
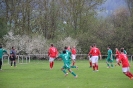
[52,52]
[117,54]
[124,60]
[94,52]
[69,48]
[73,51]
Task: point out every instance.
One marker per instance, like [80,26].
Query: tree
[3,27]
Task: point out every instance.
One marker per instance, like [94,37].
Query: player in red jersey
[73,55]
[52,53]
[90,61]
[117,52]
[69,48]
[123,59]
[95,53]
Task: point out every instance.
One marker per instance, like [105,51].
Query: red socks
[95,67]
[73,63]
[90,64]
[128,74]
[51,64]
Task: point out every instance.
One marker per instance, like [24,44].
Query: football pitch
[37,74]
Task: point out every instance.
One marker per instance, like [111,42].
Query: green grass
[38,75]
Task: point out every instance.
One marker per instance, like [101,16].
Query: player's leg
[64,70]
[14,61]
[68,68]
[129,73]
[126,72]
[107,61]
[90,62]
[51,62]
[11,61]
[73,60]
[93,63]
[111,62]
[74,66]
[0,64]
[96,65]
[72,72]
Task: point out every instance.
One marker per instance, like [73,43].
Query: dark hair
[108,46]
[65,47]
[122,50]
[94,44]
[52,44]
[12,47]
[64,51]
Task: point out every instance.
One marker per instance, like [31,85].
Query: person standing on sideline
[109,59]
[66,59]
[73,55]
[52,53]
[123,59]
[90,60]
[13,56]
[1,55]
[95,53]
[117,52]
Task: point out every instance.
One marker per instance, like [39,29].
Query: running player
[66,59]
[52,53]
[123,59]
[70,54]
[109,59]
[73,55]
[95,53]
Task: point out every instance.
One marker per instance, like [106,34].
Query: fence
[29,57]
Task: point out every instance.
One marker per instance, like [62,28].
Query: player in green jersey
[109,59]
[70,54]
[66,59]
[1,55]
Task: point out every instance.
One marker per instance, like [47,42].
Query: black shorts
[12,59]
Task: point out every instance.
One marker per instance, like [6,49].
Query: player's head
[94,45]
[122,50]
[64,51]
[52,44]
[13,47]
[65,47]
[108,47]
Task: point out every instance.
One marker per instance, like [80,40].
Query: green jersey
[1,52]
[65,58]
[125,52]
[109,54]
[68,52]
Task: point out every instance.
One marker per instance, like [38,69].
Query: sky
[112,5]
